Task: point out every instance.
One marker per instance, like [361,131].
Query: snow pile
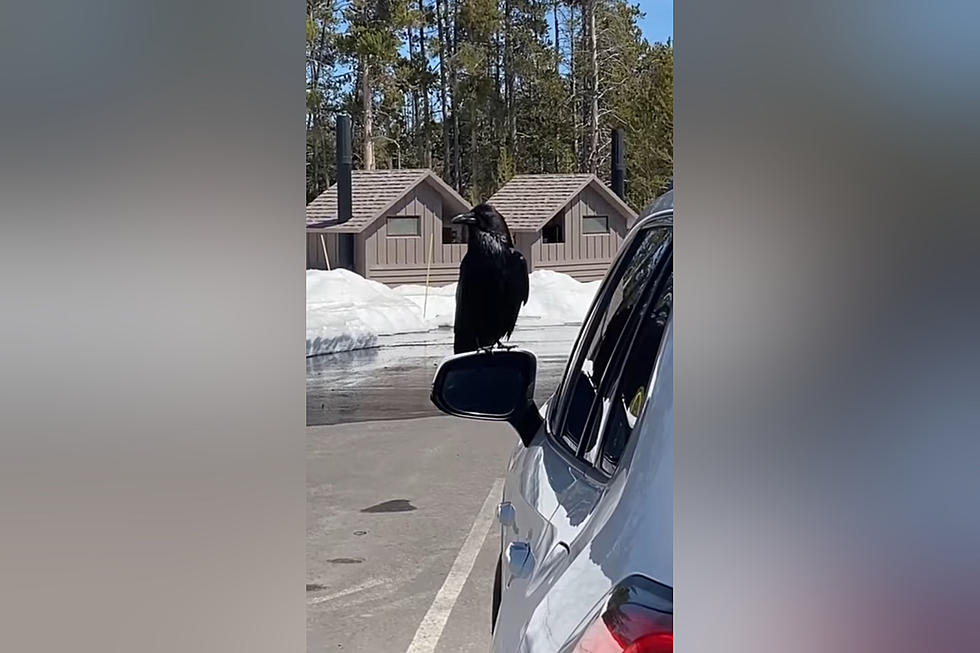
[345,311]
[440,307]
[556,299]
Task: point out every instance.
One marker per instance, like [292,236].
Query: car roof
[660,212]
[664,202]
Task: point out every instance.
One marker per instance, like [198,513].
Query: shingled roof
[374,192]
[527,202]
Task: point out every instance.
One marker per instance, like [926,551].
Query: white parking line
[430,630]
[350,590]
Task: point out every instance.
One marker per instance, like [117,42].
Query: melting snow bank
[556,299]
[440,309]
[345,311]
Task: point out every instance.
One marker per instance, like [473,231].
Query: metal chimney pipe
[344,167]
[618,176]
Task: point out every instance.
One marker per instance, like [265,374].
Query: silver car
[587,512]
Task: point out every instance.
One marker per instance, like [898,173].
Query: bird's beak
[464,218]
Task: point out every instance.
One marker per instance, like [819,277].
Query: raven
[493,282]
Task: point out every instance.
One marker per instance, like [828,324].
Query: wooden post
[323,244]
[428,266]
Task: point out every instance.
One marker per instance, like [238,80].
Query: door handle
[520,560]
[505,514]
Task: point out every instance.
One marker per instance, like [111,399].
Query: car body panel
[629,531]
[586,532]
[538,480]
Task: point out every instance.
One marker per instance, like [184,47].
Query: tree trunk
[426,115]
[368,108]
[497,56]
[311,136]
[558,60]
[577,119]
[509,79]
[557,41]
[316,113]
[593,91]
[412,93]
[457,155]
[475,177]
[440,27]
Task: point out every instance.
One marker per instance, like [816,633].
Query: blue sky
[658,24]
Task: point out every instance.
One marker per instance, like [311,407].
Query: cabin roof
[374,193]
[527,202]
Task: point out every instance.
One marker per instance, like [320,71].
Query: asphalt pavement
[401,539]
[393,381]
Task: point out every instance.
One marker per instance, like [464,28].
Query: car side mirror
[490,385]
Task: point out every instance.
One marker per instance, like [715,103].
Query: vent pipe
[618,176]
[344,167]
[345,242]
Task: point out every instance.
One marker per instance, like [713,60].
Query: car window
[623,357]
[631,390]
[618,298]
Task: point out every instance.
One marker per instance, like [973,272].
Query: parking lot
[401,536]
[393,381]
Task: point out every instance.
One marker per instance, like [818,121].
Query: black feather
[493,283]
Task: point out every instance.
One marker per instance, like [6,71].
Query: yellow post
[428,266]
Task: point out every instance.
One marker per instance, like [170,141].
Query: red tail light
[637,617]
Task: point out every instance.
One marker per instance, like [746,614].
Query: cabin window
[595,224]
[554,230]
[404,225]
[453,234]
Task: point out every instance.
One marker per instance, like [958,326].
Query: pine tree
[322,93]
[372,42]
[481,90]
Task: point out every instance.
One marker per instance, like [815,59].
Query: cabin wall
[314,251]
[402,259]
[583,256]
[524,241]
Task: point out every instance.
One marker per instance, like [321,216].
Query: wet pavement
[393,381]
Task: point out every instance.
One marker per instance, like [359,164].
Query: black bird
[493,282]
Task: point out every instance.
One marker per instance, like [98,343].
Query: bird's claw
[489,349]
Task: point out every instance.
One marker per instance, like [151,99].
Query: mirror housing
[493,385]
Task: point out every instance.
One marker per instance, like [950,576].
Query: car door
[544,485]
[597,551]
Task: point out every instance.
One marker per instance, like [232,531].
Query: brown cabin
[398,218]
[400,221]
[568,223]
